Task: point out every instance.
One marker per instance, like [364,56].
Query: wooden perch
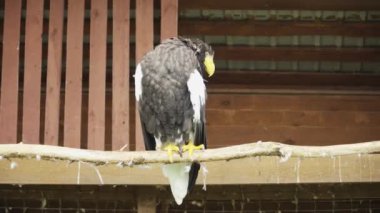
[255,163]
[284,151]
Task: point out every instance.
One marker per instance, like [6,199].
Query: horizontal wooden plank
[247,53]
[265,5]
[187,27]
[226,135]
[280,5]
[263,170]
[294,102]
[259,118]
[277,28]
[246,193]
[295,79]
[296,53]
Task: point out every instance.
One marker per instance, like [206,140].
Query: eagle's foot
[170,148]
[190,147]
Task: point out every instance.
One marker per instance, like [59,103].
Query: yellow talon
[170,148]
[191,147]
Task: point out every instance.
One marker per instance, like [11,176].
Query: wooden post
[169,19]
[97,88]
[32,72]
[144,43]
[54,66]
[73,96]
[120,75]
[146,200]
[10,70]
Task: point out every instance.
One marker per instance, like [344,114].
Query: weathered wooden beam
[246,164]
[296,53]
[280,5]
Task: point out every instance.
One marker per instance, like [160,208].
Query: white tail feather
[178,175]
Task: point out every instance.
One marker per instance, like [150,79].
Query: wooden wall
[302,119]
[72,86]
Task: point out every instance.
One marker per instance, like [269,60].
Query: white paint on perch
[340,170]
[298,169]
[285,155]
[78,175]
[204,176]
[13,165]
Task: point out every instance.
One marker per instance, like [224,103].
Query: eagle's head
[204,53]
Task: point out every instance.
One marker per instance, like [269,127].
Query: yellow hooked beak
[209,64]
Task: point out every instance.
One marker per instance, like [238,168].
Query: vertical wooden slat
[120,74]
[144,43]
[73,91]
[97,91]
[32,71]
[169,19]
[53,84]
[146,200]
[10,69]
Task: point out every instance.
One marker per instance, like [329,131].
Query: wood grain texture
[120,75]
[277,28]
[54,66]
[73,87]
[97,84]
[255,163]
[10,72]
[169,19]
[32,72]
[287,78]
[252,27]
[144,41]
[296,53]
[146,200]
[281,5]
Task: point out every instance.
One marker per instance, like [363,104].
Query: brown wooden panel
[120,75]
[97,86]
[304,118]
[245,53]
[277,28]
[9,73]
[281,5]
[32,72]
[73,91]
[144,41]
[253,28]
[229,135]
[299,79]
[289,102]
[296,53]
[54,66]
[169,18]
